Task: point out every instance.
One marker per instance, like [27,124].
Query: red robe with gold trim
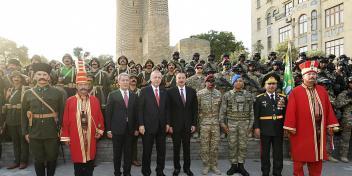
[299,118]
[72,128]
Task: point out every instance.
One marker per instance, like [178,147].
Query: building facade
[322,25]
[142,30]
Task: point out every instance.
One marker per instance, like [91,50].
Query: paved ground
[253,166]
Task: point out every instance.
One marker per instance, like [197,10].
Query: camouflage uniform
[344,101]
[251,83]
[237,108]
[227,75]
[196,82]
[209,106]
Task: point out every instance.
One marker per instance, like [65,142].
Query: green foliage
[318,53]
[258,47]
[104,58]
[281,49]
[221,42]
[10,50]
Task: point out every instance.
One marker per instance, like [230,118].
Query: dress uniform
[269,110]
[42,109]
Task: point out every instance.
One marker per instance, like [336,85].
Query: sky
[54,27]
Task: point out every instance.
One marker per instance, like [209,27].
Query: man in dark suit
[153,122]
[269,110]
[183,110]
[121,120]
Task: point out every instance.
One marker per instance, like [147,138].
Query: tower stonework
[143,30]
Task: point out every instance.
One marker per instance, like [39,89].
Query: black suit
[271,131]
[154,118]
[122,122]
[182,117]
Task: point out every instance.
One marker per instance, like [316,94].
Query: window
[334,47]
[314,46]
[258,24]
[314,19]
[288,8]
[258,4]
[269,43]
[334,16]
[303,49]
[300,1]
[303,24]
[284,33]
[269,19]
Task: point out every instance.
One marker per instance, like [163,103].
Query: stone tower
[143,30]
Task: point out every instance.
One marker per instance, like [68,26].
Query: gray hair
[124,74]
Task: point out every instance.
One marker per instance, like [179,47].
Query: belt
[10,106]
[273,117]
[70,85]
[43,116]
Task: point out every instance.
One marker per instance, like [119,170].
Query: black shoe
[188,172]
[242,170]
[233,169]
[176,172]
[160,174]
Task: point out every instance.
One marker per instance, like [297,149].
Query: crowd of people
[77,102]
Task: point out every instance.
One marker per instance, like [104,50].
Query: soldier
[211,64]
[241,61]
[195,60]
[100,82]
[144,76]
[251,79]
[226,72]
[209,100]
[344,100]
[67,75]
[122,67]
[42,109]
[176,60]
[169,79]
[12,113]
[269,110]
[197,81]
[237,108]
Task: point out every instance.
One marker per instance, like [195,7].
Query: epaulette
[260,94]
[282,95]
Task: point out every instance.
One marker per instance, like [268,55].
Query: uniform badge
[264,103]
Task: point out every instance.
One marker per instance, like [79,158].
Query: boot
[242,170]
[50,168]
[39,168]
[216,170]
[233,169]
[344,159]
[205,170]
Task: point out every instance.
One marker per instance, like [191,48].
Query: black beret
[41,67]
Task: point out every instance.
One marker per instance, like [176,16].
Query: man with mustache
[12,113]
[144,76]
[42,109]
[169,79]
[83,125]
[309,115]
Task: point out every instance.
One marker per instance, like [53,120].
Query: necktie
[183,97]
[157,97]
[125,98]
[272,99]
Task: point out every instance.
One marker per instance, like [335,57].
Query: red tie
[157,97]
[125,98]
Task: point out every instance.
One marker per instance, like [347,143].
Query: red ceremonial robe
[299,117]
[72,129]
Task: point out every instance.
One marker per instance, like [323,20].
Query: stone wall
[188,46]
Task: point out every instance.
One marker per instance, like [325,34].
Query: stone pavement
[253,166]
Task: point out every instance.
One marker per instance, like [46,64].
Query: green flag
[288,78]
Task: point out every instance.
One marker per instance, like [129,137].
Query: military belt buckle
[274,117]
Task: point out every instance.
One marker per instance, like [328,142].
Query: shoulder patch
[282,94]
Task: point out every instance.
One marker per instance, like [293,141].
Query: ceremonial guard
[100,82]
[67,75]
[309,115]
[82,125]
[269,111]
[42,109]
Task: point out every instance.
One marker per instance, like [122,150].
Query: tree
[221,42]
[9,50]
[281,49]
[104,58]
[258,47]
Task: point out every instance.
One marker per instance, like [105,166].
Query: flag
[288,78]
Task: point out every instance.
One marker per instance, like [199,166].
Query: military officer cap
[122,57]
[209,78]
[270,78]
[41,67]
[14,62]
